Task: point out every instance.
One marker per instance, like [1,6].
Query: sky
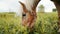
[6,5]
[14,6]
[49,5]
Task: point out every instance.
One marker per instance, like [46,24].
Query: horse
[29,12]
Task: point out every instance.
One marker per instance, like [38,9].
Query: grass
[46,23]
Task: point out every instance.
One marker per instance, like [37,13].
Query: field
[46,23]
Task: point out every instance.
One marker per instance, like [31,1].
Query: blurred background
[10,18]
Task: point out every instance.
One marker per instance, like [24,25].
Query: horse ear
[23,5]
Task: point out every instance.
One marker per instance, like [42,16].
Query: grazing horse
[29,12]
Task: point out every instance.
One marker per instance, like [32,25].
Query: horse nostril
[23,14]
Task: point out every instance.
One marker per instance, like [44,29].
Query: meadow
[46,23]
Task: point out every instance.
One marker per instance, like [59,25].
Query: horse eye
[24,15]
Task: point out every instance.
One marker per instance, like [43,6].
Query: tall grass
[46,23]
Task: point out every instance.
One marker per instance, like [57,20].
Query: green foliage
[41,9]
[54,10]
[9,24]
[46,24]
